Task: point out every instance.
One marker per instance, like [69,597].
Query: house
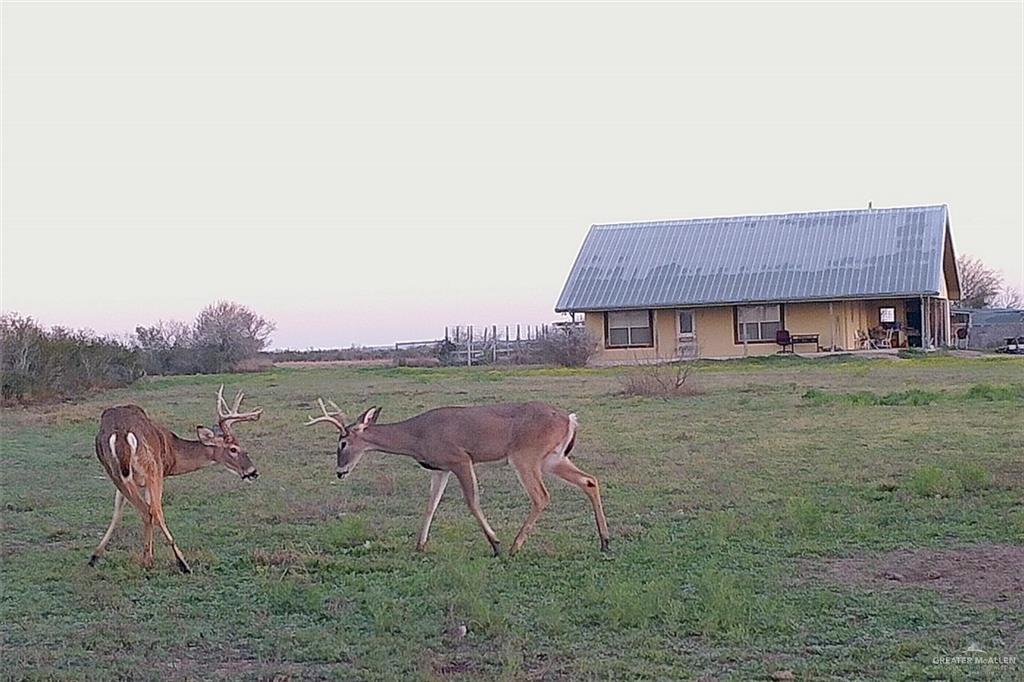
[725,287]
[988,328]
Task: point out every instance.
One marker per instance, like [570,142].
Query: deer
[535,438]
[137,454]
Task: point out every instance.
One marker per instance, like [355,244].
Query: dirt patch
[987,575]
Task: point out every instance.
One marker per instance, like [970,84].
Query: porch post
[926,341]
[947,322]
[831,329]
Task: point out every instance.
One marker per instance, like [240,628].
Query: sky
[364,174]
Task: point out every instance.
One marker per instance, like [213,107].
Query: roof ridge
[839,211]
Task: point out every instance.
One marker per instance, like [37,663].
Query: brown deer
[534,437]
[137,454]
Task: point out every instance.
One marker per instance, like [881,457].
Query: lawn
[769,523]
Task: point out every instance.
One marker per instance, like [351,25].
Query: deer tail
[125,452]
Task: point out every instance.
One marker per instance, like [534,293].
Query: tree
[226,333]
[979,285]
[1009,298]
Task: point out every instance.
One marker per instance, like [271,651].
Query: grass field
[739,519]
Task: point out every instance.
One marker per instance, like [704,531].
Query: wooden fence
[473,345]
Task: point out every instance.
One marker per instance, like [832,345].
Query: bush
[225,337]
[568,347]
[226,333]
[38,363]
[661,381]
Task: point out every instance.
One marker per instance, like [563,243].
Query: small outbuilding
[988,328]
[754,285]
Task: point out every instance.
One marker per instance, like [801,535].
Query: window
[631,328]
[685,324]
[886,315]
[757,323]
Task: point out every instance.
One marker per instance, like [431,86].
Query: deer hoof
[93,559]
[496,547]
[183,567]
[604,544]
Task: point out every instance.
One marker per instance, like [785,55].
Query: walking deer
[137,454]
[534,437]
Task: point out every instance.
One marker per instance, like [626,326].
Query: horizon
[362,175]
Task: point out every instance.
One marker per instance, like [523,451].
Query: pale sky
[369,173]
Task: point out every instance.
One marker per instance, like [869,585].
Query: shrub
[661,380]
[38,363]
[225,337]
[568,347]
[227,333]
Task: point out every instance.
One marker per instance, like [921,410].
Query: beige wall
[715,336]
[664,340]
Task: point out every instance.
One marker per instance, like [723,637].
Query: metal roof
[857,253]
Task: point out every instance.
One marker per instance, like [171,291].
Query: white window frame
[763,317]
[679,323]
[631,328]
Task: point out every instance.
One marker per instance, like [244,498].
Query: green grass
[720,505]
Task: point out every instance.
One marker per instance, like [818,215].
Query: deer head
[351,443]
[226,449]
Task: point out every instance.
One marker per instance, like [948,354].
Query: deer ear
[370,416]
[206,436]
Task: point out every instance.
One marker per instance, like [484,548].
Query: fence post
[469,347]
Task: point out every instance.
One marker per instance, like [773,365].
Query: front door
[686,334]
[913,322]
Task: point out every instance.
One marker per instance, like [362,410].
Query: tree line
[40,363]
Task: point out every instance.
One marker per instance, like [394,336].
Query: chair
[783,338]
[864,341]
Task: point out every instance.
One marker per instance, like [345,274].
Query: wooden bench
[796,339]
[784,338]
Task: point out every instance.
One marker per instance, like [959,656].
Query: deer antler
[228,417]
[337,417]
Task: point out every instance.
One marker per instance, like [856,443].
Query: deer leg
[438,482]
[158,517]
[467,479]
[119,501]
[147,540]
[139,497]
[567,471]
[530,478]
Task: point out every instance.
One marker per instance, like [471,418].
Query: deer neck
[393,438]
[189,455]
